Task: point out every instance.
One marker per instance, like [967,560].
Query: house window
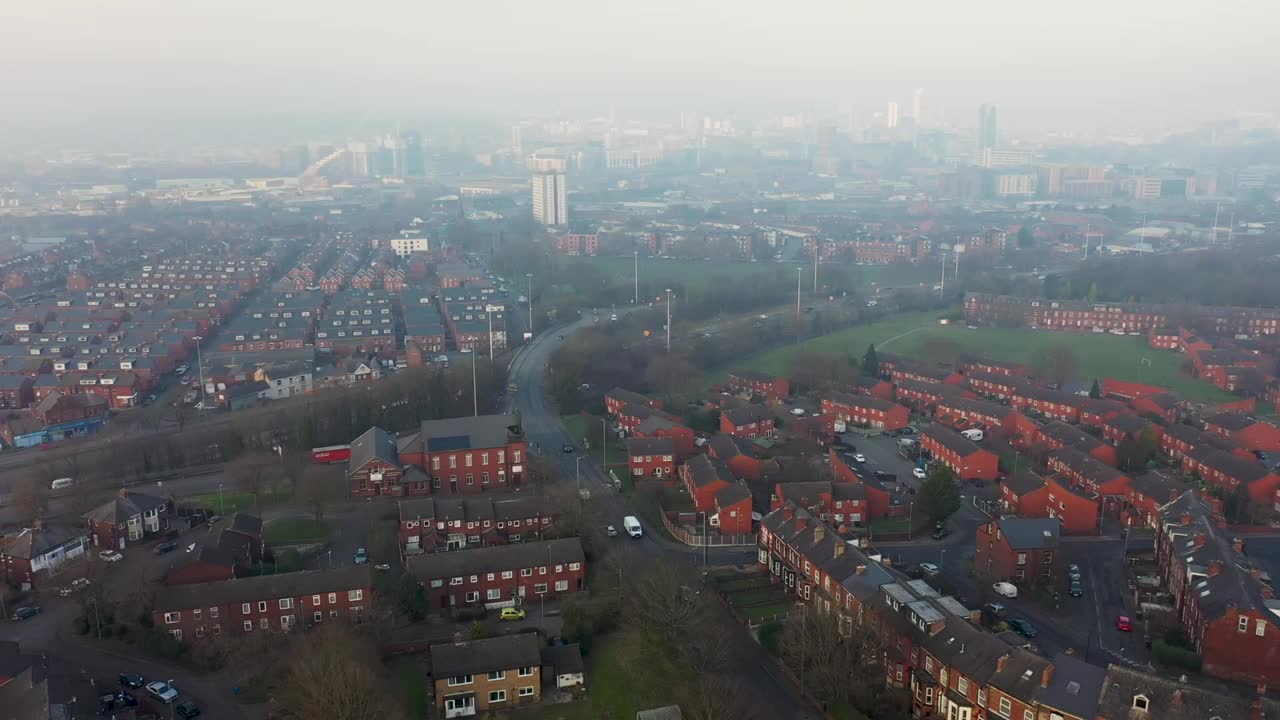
[1140,702]
[262,606]
[213,613]
[540,588]
[471,479]
[1243,624]
[317,616]
[265,623]
[982,697]
[962,686]
[333,598]
[493,594]
[286,603]
[1262,628]
[355,594]
[928,664]
[562,585]
[315,599]
[455,581]
[1006,707]
[248,626]
[468,459]
[460,680]
[574,566]
[498,675]
[506,574]
[525,672]
[437,583]
[172,617]
[453,462]
[473,596]
[496,696]
[526,691]
[1022,558]
[526,572]
[484,478]
[177,634]
[1028,715]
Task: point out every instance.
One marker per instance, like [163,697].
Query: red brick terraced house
[1126,391]
[497,576]
[771,387]
[1165,406]
[1225,608]
[652,458]
[127,518]
[661,425]
[748,421]
[865,411]
[963,413]
[963,456]
[1164,339]
[1043,402]
[881,500]
[923,372]
[1247,432]
[743,456]
[994,367]
[486,453]
[1179,439]
[924,397]
[1057,435]
[1095,411]
[839,503]
[1228,471]
[731,508]
[1032,496]
[456,523]
[618,398]
[1023,551]
[1023,493]
[703,477]
[265,603]
[1088,472]
[1130,427]
[29,556]
[1148,493]
[874,387]
[996,386]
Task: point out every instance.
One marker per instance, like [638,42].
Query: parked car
[214,520]
[162,691]
[859,457]
[930,569]
[131,680]
[940,533]
[24,612]
[559,337]
[76,586]
[1076,590]
[997,609]
[361,557]
[166,547]
[1023,628]
[110,556]
[566,448]
[187,709]
[918,473]
[511,614]
[1005,589]
[584,493]
[1124,624]
[382,567]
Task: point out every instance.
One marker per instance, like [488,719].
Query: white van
[61,484]
[632,526]
[973,434]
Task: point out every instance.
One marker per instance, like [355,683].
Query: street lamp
[200,372]
[577,474]
[635,299]
[222,508]
[475,396]
[668,319]
[530,276]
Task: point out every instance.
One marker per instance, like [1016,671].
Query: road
[542,425]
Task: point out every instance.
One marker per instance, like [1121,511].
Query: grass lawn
[1099,355]
[890,525]
[744,599]
[411,685]
[760,612]
[233,501]
[296,530]
[845,711]
[580,427]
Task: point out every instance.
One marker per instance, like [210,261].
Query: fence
[693,536]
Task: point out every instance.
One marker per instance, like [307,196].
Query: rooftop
[509,652]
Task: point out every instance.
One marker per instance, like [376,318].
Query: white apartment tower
[550,202]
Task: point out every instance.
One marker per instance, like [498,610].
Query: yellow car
[511,614]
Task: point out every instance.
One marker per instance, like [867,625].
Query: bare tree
[317,491]
[719,696]
[30,497]
[667,599]
[249,471]
[332,673]
[1055,364]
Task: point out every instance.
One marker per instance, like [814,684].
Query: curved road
[542,425]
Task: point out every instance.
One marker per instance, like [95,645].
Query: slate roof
[1246,471]
[1233,586]
[1070,435]
[1088,466]
[1030,533]
[1157,485]
[264,587]
[1232,421]
[475,657]
[650,446]
[374,444]
[950,439]
[466,433]
[34,542]
[123,506]
[820,550]
[748,414]
[1168,699]
[704,471]
[732,495]
[861,401]
[1074,687]
[496,558]
[731,446]
[246,523]
[1024,482]
[980,407]
[1128,423]
[756,375]
[627,397]
[563,659]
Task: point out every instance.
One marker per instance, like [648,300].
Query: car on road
[162,691]
[511,614]
[918,473]
[559,337]
[76,586]
[1124,624]
[566,448]
[930,569]
[1005,589]
[611,531]
[361,557]
[859,457]
[214,520]
[797,411]
[166,547]
[110,556]
[24,612]
[382,567]
[1076,590]
[187,709]
[908,430]
[131,680]
[1023,628]
[940,533]
[997,609]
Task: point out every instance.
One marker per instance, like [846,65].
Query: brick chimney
[1215,567]
[975,616]
[800,524]
[1186,518]
[818,533]
[788,511]
[1199,539]
[1176,698]
[37,524]
[123,492]
[860,570]
[1001,662]
[1237,545]
[1046,676]
[839,549]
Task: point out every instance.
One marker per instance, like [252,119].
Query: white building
[550,198]
[287,380]
[1006,158]
[632,158]
[891,115]
[1015,184]
[406,246]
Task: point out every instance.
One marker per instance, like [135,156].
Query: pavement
[542,426]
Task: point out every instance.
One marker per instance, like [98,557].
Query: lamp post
[604,444]
[200,371]
[222,508]
[475,395]
[530,276]
[668,319]
[577,475]
[635,299]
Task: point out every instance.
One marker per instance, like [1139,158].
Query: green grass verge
[233,502]
[411,686]
[1098,355]
[845,711]
[754,598]
[759,612]
[581,427]
[296,530]
[890,525]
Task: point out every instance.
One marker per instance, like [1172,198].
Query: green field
[698,273]
[295,531]
[1098,355]
[232,501]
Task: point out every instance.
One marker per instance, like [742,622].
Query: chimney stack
[860,570]
[800,524]
[1199,539]
[1001,662]
[1176,699]
[1046,677]
[38,523]
[819,532]
[123,492]
[1215,567]
[788,511]
[1186,518]
[1237,545]
[839,549]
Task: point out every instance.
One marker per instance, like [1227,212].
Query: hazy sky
[159,66]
